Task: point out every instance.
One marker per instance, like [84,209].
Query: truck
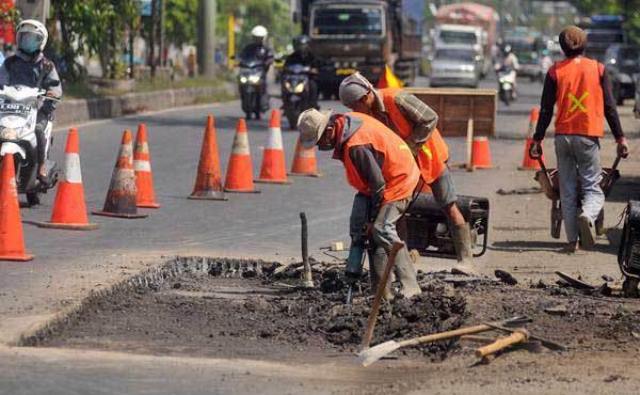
[472,14]
[364,36]
[459,36]
[602,31]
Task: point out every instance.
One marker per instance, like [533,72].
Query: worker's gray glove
[623,148]
[535,149]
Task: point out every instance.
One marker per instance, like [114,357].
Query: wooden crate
[456,105]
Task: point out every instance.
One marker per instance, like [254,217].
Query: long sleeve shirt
[548,101]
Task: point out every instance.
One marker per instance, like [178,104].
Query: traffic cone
[145,196]
[481,153]
[209,179]
[121,197]
[273,169]
[240,170]
[527,162]
[388,79]
[69,209]
[11,238]
[304,162]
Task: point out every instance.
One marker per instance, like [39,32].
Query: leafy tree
[181,21]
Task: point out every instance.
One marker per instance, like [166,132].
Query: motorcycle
[18,113]
[295,92]
[252,87]
[506,84]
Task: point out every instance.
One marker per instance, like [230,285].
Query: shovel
[371,355]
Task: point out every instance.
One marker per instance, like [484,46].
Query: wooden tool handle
[502,343]
[477,339]
[375,307]
[446,335]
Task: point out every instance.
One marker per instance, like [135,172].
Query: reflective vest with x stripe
[579,96]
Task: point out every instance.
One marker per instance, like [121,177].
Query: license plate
[14,108]
[345,71]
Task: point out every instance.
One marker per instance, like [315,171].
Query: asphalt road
[70,264]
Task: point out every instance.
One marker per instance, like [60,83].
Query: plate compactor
[426,227]
[629,251]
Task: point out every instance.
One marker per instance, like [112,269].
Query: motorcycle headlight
[9,134]
[299,88]
[243,79]
[254,79]
[287,86]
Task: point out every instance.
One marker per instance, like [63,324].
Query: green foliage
[96,27]
[181,21]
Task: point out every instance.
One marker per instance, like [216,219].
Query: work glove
[623,148]
[535,149]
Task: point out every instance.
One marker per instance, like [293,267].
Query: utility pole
[152,38]
[162,38]
[206,37]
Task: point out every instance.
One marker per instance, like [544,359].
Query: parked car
[455,66]
[622,62]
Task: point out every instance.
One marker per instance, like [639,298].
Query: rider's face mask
[29,42]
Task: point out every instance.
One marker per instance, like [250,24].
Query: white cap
[312,124]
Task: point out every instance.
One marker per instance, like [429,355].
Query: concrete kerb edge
[148,279]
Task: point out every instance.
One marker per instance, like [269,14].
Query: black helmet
[301,43]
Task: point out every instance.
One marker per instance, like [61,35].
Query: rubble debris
[505,277]
[519,191]
[559,310]
[574,282]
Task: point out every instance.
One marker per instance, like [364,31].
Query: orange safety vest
[433,154]
[579,97]
[399,170]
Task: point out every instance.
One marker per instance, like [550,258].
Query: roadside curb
[75,111]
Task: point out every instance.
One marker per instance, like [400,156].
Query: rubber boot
[406,273]
[462,243]
[378,263]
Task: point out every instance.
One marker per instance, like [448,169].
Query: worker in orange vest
[580,89]
[380,167]
[415,122]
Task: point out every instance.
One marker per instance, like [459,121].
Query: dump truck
[364,36]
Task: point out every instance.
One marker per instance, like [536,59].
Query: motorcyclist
[509,63]
[31,68]
[302,55]
[259,51]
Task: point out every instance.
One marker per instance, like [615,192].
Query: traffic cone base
[51,225]
[11,236]
[119,215]
[208,195]
[305,175]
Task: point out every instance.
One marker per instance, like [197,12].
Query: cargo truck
[363,35]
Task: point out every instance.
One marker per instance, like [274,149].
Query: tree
[95,27]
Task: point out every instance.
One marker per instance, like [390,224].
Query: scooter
[252,85]
[295,92]
[506,84]
[18,113]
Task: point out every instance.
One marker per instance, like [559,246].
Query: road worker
[415,122]
[580,89]
[379,165]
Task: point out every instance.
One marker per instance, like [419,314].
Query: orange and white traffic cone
[209,179]
[240,169]
[273,169]
[527,162]
[304,162]
[122,195]
[11,237]
[145,196]
[481,153]
[69,208]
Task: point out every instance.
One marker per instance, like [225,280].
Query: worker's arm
[368,164]
[610,109]
[547,102]
[423,118]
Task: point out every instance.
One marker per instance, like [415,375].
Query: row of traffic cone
[239,177]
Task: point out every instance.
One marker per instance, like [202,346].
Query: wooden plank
[456,105]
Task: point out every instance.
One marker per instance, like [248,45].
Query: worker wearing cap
[580,89]
[380,167]
[415,122]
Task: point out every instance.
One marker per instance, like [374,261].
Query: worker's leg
[445,195]
[384,236]
[568,177]
[587,152]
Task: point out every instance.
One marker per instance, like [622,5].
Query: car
[622,63]
[454,66]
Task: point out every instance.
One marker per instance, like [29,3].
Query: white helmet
[259,32]
[31,36]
